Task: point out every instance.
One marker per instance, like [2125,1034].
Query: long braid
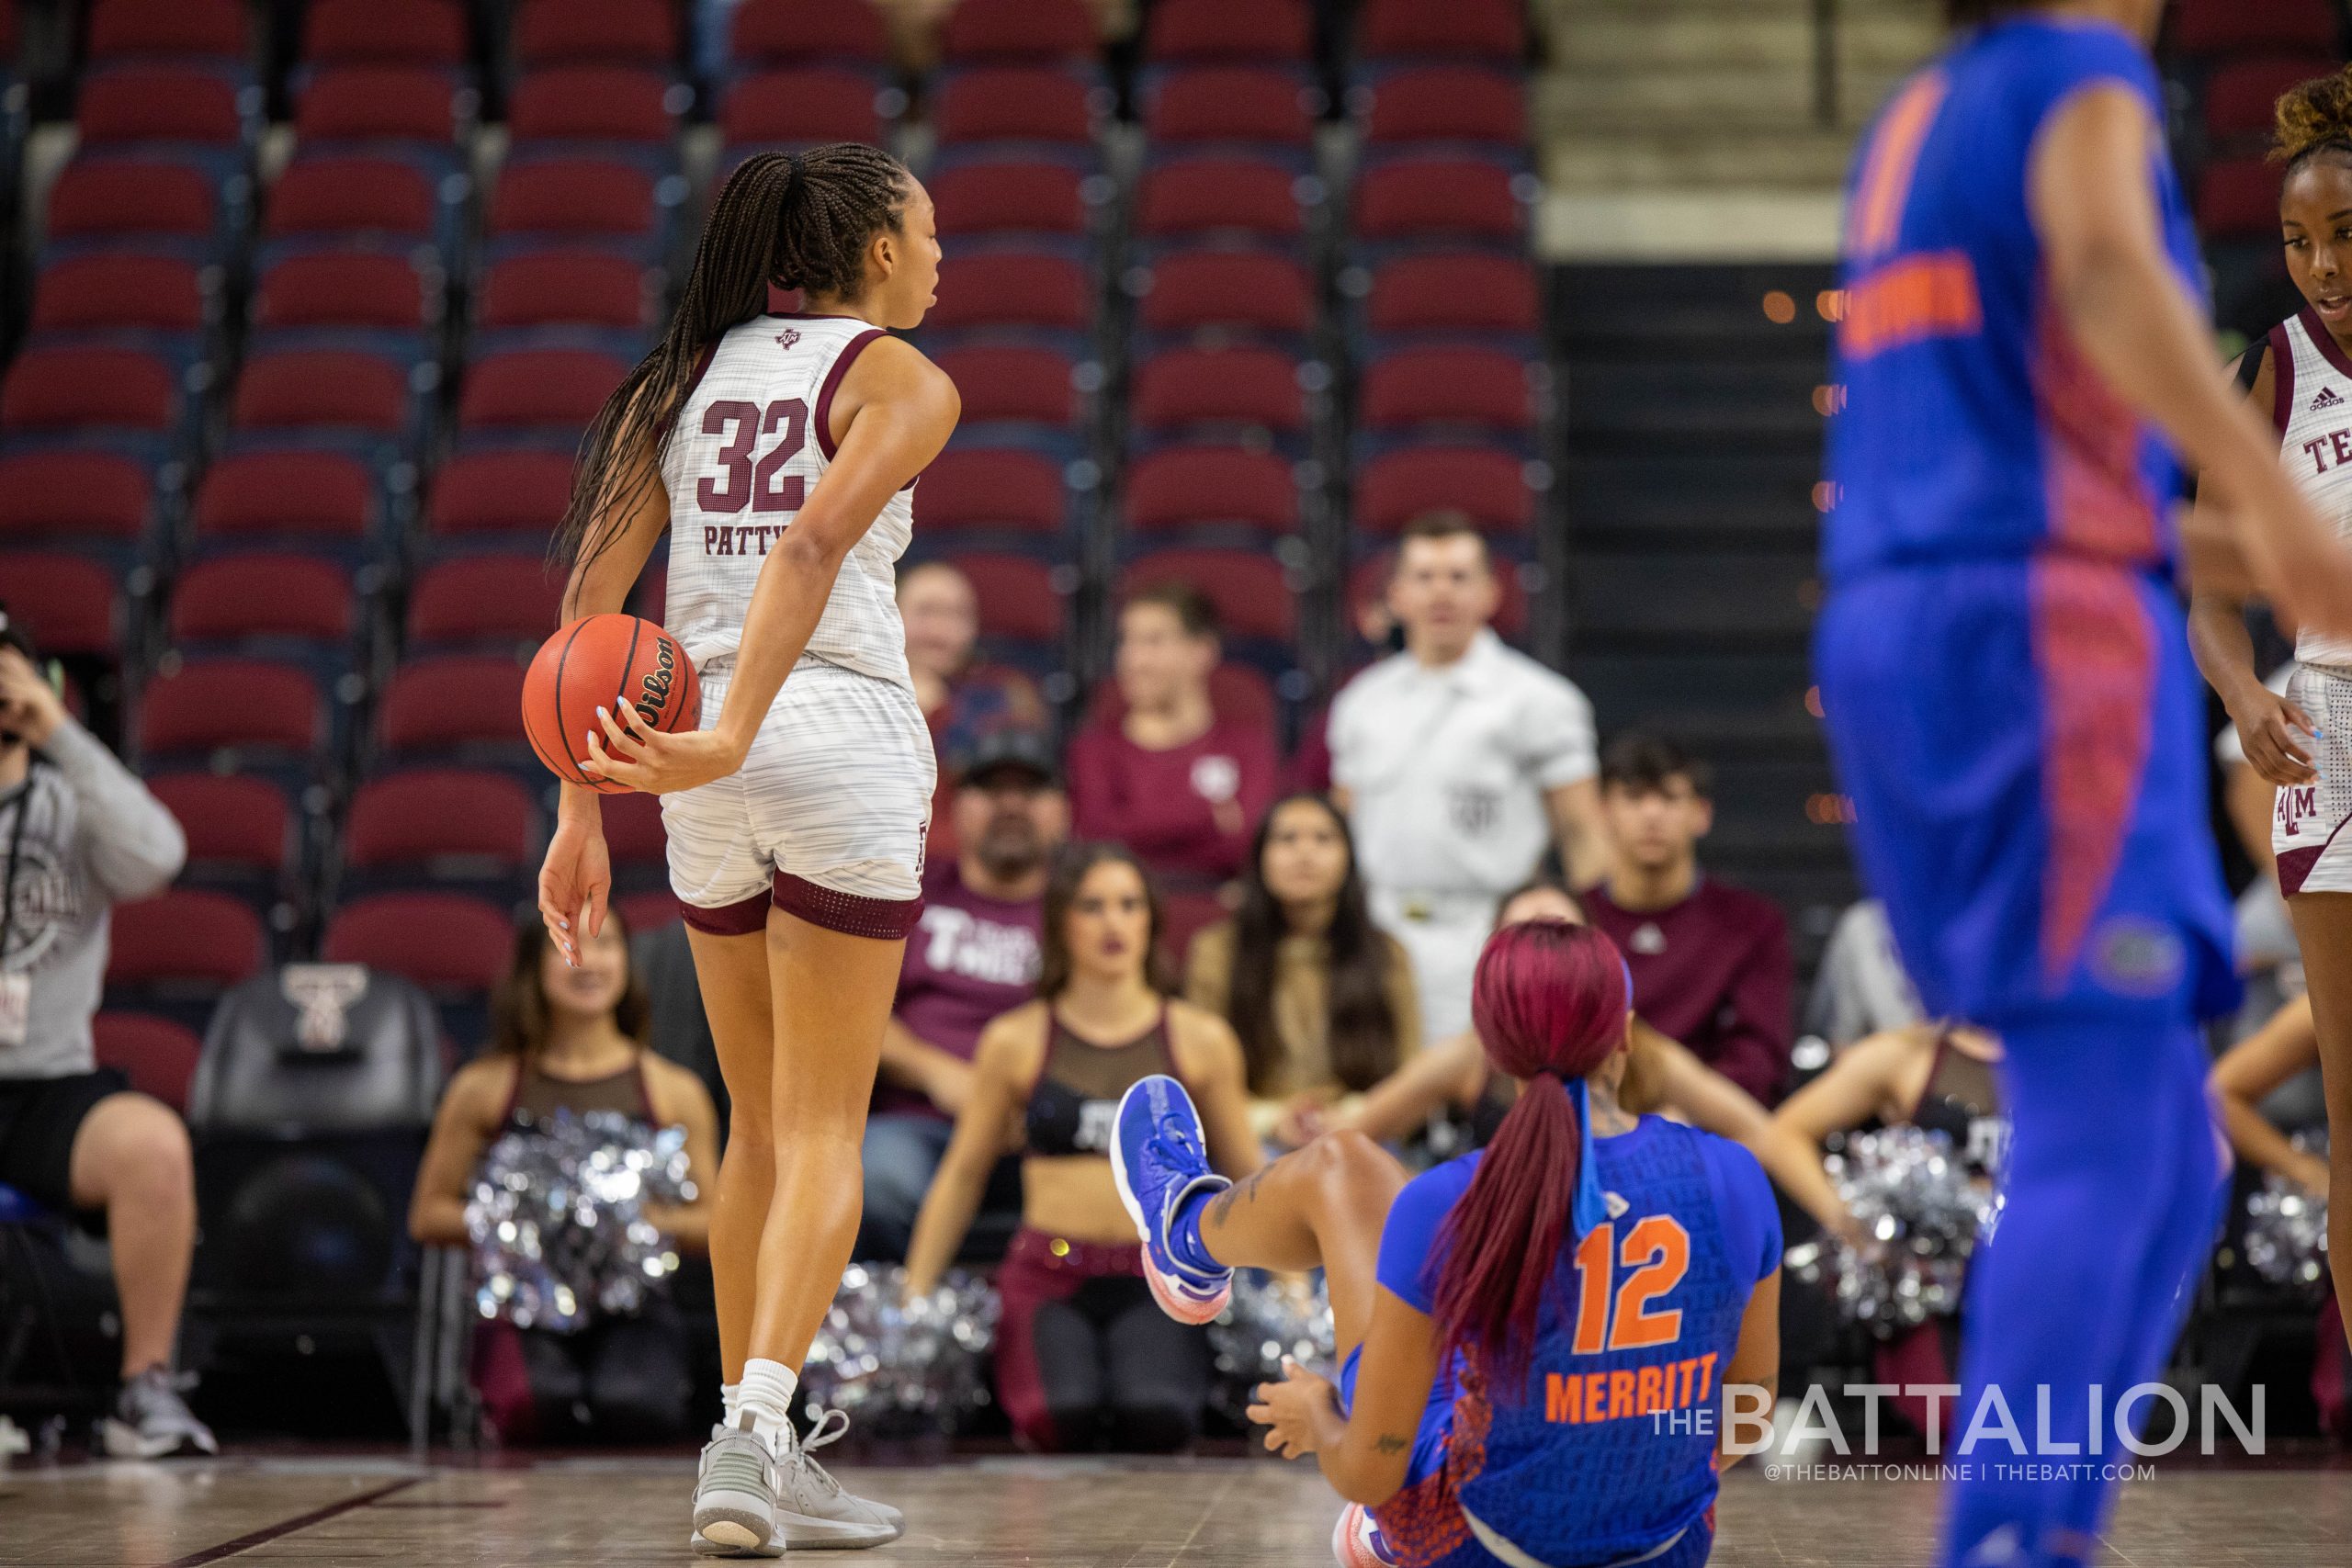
[798,221]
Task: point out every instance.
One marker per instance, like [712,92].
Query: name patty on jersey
[735,539]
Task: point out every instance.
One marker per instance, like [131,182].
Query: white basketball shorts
[2307,822]
[826,818]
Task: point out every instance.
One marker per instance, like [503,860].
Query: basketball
[614,661]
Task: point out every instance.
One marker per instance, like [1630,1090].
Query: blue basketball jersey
[1973,428]
[1608,1449]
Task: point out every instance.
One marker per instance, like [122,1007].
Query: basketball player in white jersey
[2300,377]
[779,451]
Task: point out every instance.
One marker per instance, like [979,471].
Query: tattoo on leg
[1222,1205]
[1390,1443]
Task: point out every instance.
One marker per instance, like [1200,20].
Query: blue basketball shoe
[1158,1157]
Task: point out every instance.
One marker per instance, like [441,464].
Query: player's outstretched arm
[1366,1453]
[2096,214]
[2247,1073]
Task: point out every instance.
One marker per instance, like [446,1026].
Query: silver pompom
[902,1366]
[1269,1316]
[1922,1214]
[558,1218]
[2286,1227]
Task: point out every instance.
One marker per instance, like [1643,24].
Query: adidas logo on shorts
[2328,398]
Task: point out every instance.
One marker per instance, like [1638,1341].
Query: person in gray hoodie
[79,833]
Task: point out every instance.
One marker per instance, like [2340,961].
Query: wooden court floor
[1010,1513]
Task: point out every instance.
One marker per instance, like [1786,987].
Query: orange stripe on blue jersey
[1894,159]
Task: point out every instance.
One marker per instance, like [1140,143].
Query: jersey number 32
[741,482]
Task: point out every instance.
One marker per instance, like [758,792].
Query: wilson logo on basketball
[653,691]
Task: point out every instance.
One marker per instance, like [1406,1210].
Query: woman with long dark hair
[1082,1355]
[780,452]
[1504,1391]
[1320,998]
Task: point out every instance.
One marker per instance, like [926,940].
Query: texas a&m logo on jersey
[2298,804]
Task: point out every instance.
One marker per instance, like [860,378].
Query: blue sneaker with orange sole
[1158,1156]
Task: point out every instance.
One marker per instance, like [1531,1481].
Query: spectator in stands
[566,1037]
[1861,987]
[1084,1356]
[961,700]
[1321,999]
[78,833]
[1711,962]
[973,957]
[1458,761]
[1171,781]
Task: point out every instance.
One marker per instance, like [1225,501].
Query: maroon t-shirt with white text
[1713,971]
[970,959]
[1162,805]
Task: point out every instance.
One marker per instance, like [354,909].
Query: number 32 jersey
[750,444]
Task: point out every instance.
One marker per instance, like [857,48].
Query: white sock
[765,1394]
[731,1398]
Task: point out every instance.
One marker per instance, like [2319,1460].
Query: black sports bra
[1075,1101]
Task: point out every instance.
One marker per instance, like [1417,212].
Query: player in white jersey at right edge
[780,452]
[2300,377]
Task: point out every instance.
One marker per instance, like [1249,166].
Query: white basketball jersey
[2314,406]
[750,444]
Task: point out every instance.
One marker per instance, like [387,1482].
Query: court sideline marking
[268,1533]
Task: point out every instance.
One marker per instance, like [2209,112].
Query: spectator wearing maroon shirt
[961,700]
[1178,786]
[1711,962]
[972,956]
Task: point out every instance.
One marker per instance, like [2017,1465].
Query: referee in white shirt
[1457,761]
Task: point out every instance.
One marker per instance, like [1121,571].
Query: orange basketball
[614,661]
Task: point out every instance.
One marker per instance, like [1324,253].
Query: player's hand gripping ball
[600,675]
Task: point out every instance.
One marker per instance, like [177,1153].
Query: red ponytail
[1549,1003]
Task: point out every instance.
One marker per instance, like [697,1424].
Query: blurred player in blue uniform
[2008,685]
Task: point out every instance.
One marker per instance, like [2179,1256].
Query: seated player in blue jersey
[1536,1338]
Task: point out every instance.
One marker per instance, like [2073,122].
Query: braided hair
[2313,117]
[797,221]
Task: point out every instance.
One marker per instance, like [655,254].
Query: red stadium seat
[1236,691]
[485,598]
[378,103]
[1488,483]
[1410,198]
[1252,594]
[78,387]
[443,941]
[451,700]
[1478,30]
[2229,27]
[1454,292]
[159,103]
[1369,580]
[157,1054]
[986,195]
[1445,386]
[120,290]
[164,29]
[1185,486]
[1220,29]
[233,821]
[1201,195]
[1019,30]
[184,936]
[523,387]
[982,486]
[329,495]
[70,604]
[633,32]
[1236,385]
[1018,599]
[265,595]
[566,288]
[355,194]
[2241,97]
[1447,103]
[1011,289]
[632,823]
[406,32]
[1014,382]
[592,102]
[73,496]
[521,491]
[1228,103]
[210,704]
[1264,290]
[574,196]
[649,910]
[2238,198]
[345,288]
[427,818]
[796,32]
[1014,103]
[806,105]
[292,388]
[111,197]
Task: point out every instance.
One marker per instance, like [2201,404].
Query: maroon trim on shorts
[851,914]
[739,919]
[821,416]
